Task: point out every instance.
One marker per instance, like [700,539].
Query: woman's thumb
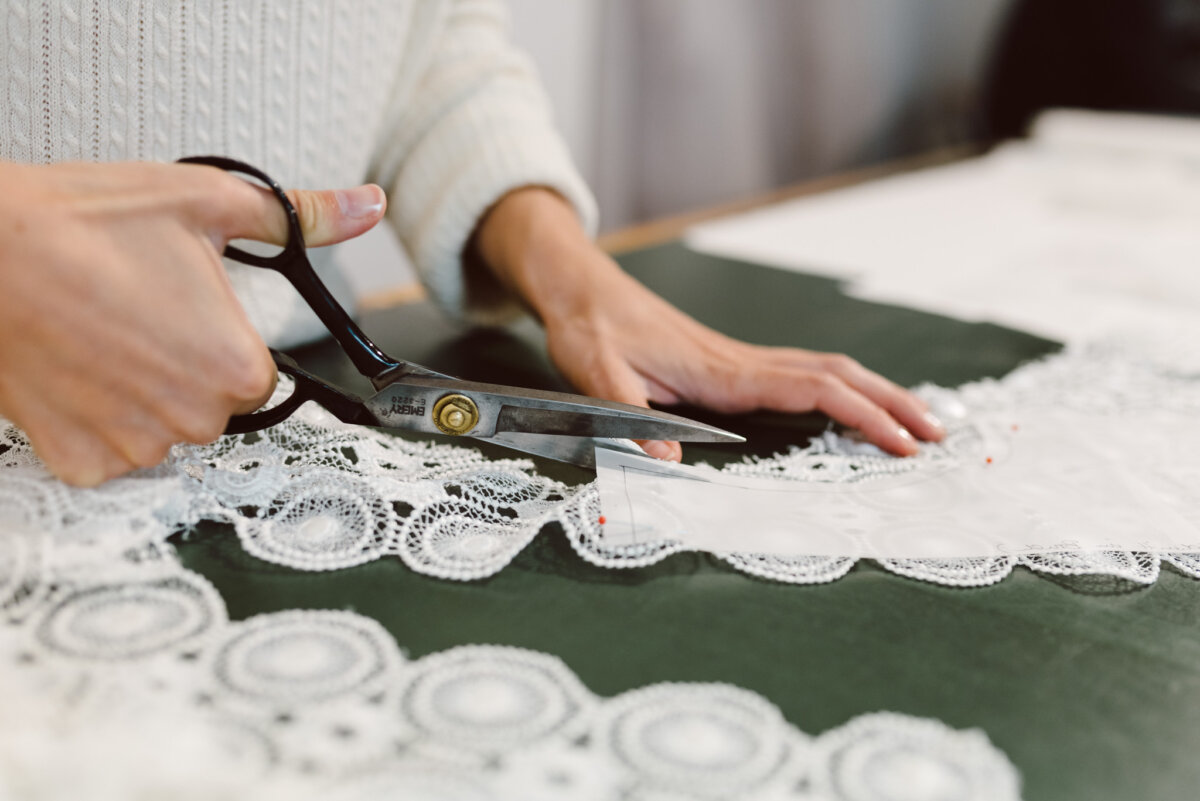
[335,215]
[327,216]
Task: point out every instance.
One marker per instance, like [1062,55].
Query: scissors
[556,425]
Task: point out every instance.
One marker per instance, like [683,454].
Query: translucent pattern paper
[1041,480]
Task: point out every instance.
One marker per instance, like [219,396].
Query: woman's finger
[806,390]
[902,404]
[77,456]
[906,407]
[613,379]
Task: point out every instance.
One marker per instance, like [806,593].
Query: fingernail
[904,434]
[361,201]
[932,420]
[659,450]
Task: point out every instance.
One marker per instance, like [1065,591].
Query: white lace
[315,494]
[106,638]
[312,493]
[105,654]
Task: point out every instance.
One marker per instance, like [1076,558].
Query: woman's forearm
[532,241]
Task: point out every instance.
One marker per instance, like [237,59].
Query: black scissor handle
[341,404]
[293,264]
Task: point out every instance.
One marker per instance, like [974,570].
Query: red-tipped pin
[602,520]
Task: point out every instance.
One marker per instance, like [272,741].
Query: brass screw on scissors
[455,414]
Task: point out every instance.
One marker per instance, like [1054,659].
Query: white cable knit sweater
[425,97]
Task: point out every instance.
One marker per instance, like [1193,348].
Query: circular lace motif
[491,698]
[462,539]
[703,739]
[131,620]
[324,524]
[886,757]
[248,476]
[304,656]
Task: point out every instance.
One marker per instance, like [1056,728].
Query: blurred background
[675,105]
[671,105]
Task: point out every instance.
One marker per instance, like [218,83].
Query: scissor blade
[634,422]
[572,450]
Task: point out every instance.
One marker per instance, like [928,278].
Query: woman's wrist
[532,241]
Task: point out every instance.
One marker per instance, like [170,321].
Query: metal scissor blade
[631,422]
[573,450]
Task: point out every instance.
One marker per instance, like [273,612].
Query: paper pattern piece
[1036,481]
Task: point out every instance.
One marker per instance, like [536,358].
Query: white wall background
[670,105]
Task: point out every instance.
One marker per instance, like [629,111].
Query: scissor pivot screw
[455,414]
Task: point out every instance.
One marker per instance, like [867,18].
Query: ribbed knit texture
[425,97]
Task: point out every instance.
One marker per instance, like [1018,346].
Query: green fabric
[1092,687]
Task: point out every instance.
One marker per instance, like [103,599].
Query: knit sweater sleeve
[471,125]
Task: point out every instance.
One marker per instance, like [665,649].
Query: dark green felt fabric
[1090,686]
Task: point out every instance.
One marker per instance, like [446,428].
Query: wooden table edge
[668,229]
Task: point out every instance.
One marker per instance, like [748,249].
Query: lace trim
[315,494]
[100,665]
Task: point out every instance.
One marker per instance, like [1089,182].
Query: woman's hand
[119,332]
[615,339]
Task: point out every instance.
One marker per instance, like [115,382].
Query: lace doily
[316,494]
[105,655]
